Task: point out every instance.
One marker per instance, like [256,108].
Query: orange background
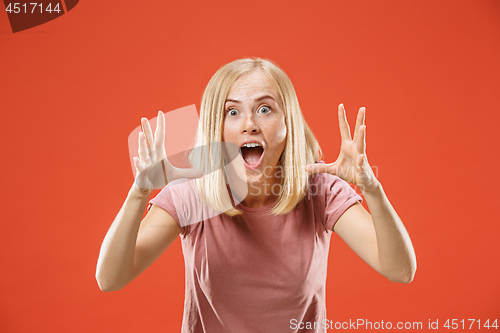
[72,90]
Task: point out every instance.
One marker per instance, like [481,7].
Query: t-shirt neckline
[256,210]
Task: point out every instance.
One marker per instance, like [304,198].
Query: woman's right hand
[153,168]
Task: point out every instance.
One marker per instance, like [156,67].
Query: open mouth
[252,154]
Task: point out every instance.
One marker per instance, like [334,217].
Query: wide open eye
[265,109]
[232,112]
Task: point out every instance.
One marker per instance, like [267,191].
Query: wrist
[373,188]
[139,192]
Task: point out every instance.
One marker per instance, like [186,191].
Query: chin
[254,176]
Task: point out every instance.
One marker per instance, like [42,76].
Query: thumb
[189,173]
[361,161]
[316,168]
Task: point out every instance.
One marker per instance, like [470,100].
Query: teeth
[251,145]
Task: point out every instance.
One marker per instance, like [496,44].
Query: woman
[255,255]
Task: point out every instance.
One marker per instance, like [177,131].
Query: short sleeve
[339,196]
[165,201]
[181,200]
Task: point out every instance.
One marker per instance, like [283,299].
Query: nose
[249,124]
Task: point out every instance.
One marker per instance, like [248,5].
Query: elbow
[402,271]
[105,284]
[405,276]
[106,287]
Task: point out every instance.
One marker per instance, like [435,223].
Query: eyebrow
[257,99]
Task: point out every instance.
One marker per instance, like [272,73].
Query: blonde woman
[255,255]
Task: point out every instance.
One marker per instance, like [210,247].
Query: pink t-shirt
[256,272]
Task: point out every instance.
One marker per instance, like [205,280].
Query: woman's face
[254,120]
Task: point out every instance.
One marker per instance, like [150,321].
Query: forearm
[395,251]
[116,258]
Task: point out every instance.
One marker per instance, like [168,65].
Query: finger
[345,132]
[146,128]
[138,164]
[361,140]
[143,149]
[360,120]
[160,131]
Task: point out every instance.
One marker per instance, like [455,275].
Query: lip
[259,162]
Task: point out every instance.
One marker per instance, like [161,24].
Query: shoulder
[331,197]
[175,198]
[169,194]
[183,201]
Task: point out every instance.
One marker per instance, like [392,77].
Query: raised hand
[352,164]
[153,168]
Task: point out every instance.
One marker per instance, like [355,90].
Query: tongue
[251,155]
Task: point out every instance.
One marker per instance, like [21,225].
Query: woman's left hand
[352,164]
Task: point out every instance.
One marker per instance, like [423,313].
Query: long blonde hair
[301,147]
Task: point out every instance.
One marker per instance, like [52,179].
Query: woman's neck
[262,193]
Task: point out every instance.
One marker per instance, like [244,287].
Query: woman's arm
[380,239]
[130,246]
